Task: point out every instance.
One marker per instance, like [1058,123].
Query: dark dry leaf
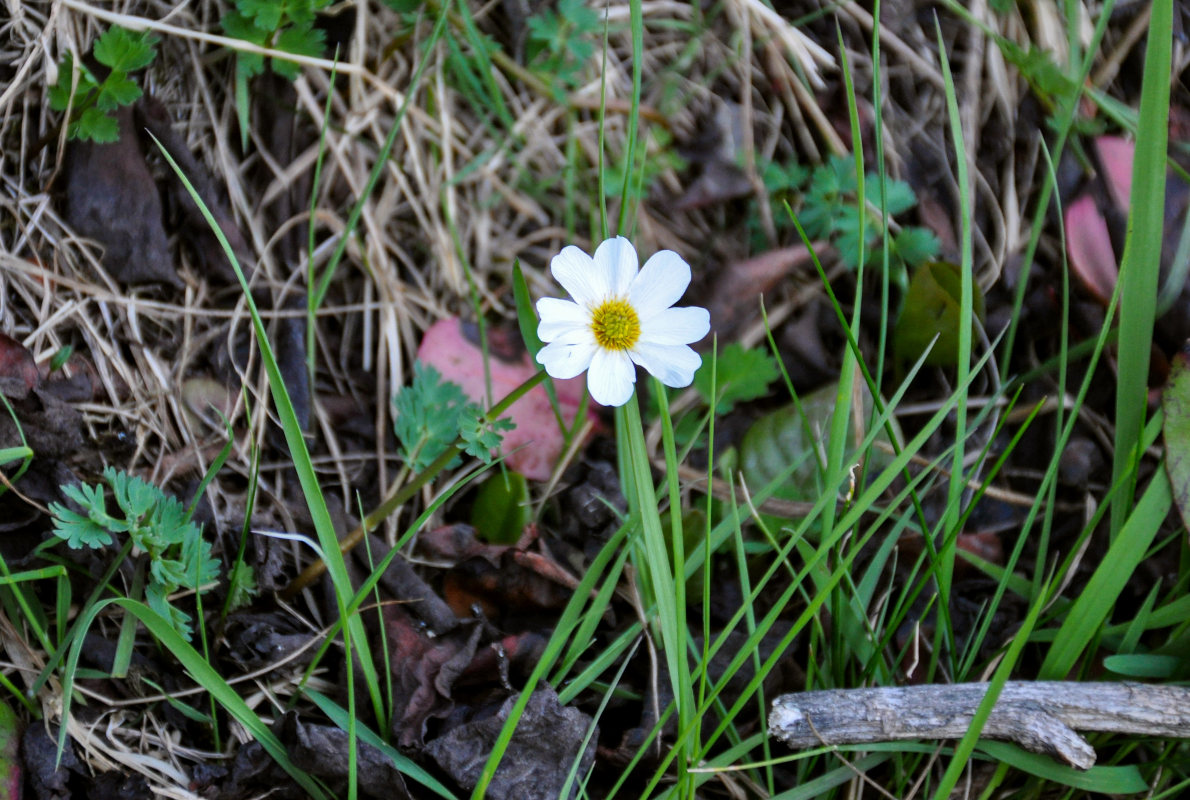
[321,750]
[48,778]
[538,759]
[111,197]
[257,640]
[735,297]
[253,773]
[50,427]
[424,668]
[116,785]
[719,147]
[501,579]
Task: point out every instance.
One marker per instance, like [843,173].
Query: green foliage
[157,526]
[277,24]
[241,586]
[481,435]
[431,413]
[742,374]
[94,100]
[652,161]
[828,210]
[786,445]
[427,416]
[1038,67]
[931,310]
[501,509]
[561,42]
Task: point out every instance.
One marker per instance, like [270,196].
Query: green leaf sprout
[431,413]
[92,100]
[157,526]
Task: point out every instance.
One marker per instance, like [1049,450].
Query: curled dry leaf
[424,668]
[538,759]
[17,363]
[500,579]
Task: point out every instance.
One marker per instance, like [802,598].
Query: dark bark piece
[402,582]
[111,197]
[1039,716]
[538,759]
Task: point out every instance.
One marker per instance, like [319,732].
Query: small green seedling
[279,25]
[828,210]
[91,101]
[562,42]
[742,374]
[157,526]
[431,413]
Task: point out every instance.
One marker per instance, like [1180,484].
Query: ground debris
[539,757]
[111,197]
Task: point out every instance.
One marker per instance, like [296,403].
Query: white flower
[619,316]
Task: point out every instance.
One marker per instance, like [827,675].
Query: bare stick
[1040,716]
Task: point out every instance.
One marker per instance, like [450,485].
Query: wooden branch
[1039,716]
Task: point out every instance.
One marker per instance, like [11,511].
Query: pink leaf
[1115,154]
[1088,246]
[535,445]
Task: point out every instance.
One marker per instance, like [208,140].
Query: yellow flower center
[615,324]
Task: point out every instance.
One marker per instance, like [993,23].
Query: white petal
[564,361]
[611,377]
[661,283]
[559,317]
[580,275]
[673,365]
[616,258]
[683,325]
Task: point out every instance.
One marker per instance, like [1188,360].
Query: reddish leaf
[1115,155]
[16,362]
[535,445]
[1088,246]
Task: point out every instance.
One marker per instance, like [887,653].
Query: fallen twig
[1039,716]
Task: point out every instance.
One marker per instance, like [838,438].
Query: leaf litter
[115,264]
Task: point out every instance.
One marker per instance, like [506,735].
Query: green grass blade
[302,464]
[1098,779]
[1105,585]
[410,769]
[1142,258]
[200,670]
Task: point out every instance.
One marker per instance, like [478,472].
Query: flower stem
[657,569]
